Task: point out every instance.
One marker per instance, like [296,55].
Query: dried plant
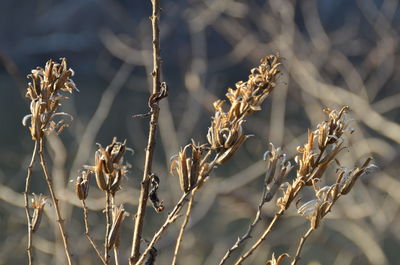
[192,165]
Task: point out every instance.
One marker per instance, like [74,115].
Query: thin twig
[144,191]
[261,239]
[59,220]
[172,216]
[26,197]
[87,232]
[250,229]
[108,226]
[115,248]
[301,244]
[183,227]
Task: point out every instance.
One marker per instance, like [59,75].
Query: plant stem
[144,191]
[108,226]
[183,227]
[250,229]
[26,197]
[261,239]
[172,216]
[59,220]
[87,233]
[115,248]
[300,246]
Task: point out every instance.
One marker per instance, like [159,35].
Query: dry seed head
[278,261]
[82,185]
[118,216]
[44,91]
[38,203]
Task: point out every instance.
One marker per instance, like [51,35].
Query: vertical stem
[108,227]
[301,244]
[182,229]
[26,197]
[115,248]
[144,191]
[59,220]
[87,233]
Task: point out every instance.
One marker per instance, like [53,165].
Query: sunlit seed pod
[118,217]
[36,219]
[100,176]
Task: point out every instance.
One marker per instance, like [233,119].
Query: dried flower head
[118,216]
[189,169]
[109,168]
[38,203]
[45,94]
[82,185]
[274,261]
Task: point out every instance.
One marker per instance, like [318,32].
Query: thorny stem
[87,233]
[26,197]
[183,227]
[172,216]
[261,239]
[59,220]
[144,191]
[250,229]
[301,244]
[108,226]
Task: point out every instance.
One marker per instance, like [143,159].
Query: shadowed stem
[26,198]
[144,191]
[261,239]
[108,226]
[172,216]
[250,229]
[115,248]
[300,246]
[87,233]
[183,227]
[49,182]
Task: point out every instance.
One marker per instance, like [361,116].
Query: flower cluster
[109,168]
[45,94]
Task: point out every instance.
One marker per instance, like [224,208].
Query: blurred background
[335,53]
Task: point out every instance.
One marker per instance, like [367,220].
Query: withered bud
[38,203]
[118,215]
[153,196]
[278,261]
[82,185]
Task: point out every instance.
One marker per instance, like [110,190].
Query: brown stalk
[115,248]
[262,238]
[49,182]
[87,232]
[26,198]
[144,191]
[300,246]
[172,216]
[183,227]
[108,226]
[250,229]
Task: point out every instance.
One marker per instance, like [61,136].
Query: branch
[108,226]
[144,191]
[87,233]
[300,246]
[28,215]
[59,220]
[170,219]
[183,227]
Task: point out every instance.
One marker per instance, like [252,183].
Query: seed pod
[99,171]
[118,217]
[38,203]
[82,185]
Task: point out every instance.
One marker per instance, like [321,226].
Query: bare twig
[300,246]
[183,227]
[26,197]
[59,220]
[87,232]
[108,226]
[115,248]
[261,239]
[172,216]
[144,192]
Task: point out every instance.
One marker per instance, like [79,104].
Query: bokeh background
[335,53]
